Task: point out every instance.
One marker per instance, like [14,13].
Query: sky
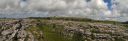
[109,4]
[94,9]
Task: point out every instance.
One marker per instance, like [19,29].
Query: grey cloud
[95,9]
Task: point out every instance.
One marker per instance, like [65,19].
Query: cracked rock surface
[15,31]
[61,30]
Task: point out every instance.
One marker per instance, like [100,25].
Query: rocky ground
[61,30]
[16,30]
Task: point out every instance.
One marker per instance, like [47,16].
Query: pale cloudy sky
[94,9]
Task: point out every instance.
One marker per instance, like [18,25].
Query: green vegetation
[77,37]
[53,32]
[95,31]
[35,32]
[76,19]
[119,39]
[125,25]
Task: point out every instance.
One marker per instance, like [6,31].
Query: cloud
[95,9]
[8,4]
[55,4]
[120,9]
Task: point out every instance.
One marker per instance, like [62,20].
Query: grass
[53,33]
[119,39]
[76,19]
[77,37]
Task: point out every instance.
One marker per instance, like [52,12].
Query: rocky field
[62,29]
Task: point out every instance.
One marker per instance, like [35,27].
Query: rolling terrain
[62,29]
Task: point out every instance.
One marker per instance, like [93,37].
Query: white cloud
[120,9]
[95,9]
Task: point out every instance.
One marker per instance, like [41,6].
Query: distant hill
[125,22]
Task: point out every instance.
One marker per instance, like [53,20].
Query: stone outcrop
[98,32]
[33,30]
[15,31]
